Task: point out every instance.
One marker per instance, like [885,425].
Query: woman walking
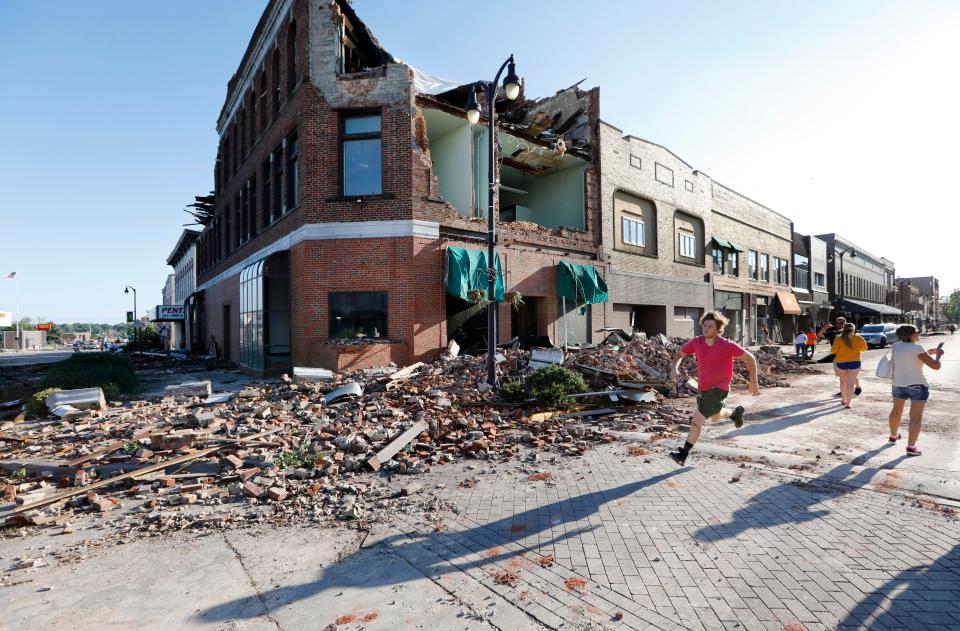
[909,358]
[847,348]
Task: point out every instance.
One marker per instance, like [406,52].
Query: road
[28,358]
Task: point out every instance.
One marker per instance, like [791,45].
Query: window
[358,314]
[801,271]
[293,178]
[275,81]
[265,212]
[688,245]
[243,132]
[633,231]
[276,159]
[785,271]
[686,314]
[733,263]
[360,155]
[237,235]
[251,315]
[262,99]
[252,194]
[777,267]
[752,264]
[717,255]
[244,215]
[765,267]
[291,58]
[227,231]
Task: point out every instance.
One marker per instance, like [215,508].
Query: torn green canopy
[467,269]
[580,283]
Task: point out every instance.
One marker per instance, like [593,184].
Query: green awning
[736,246]
[580,283]
[467,269]
[721,243]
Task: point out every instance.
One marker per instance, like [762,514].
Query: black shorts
[710,403]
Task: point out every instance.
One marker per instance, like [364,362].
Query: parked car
[879,334]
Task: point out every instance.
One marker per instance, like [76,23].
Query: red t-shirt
[714,363]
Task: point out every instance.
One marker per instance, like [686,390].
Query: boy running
[715,355]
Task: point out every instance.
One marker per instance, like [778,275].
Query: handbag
[885,366]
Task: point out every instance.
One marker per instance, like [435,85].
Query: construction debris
[82,399]
[322,449]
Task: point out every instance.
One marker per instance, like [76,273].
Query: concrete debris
[190,389]
[302,450]
[303,375]
[81,399]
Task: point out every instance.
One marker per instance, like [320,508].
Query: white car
[879,334]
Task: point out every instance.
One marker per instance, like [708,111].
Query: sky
[840,115]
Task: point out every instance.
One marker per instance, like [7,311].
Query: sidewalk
[608,541]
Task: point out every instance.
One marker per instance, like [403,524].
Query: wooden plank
[598,412]
[397,444]
[14,439]
[53,499]
[403,373]
[111,447]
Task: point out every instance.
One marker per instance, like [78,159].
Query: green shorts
[710,403]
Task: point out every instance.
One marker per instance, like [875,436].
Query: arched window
[291,57]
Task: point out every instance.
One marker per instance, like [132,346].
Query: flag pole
[16,285]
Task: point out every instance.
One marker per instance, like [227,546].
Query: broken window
[360,154]
[293,181]
[358,49]
[358,314]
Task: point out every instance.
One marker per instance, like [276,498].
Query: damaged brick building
[351,203]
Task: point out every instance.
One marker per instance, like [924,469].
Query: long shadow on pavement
[777,506]
[921,597]
[492,535]
[757,428]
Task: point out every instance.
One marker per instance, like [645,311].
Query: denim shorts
[848,365]
[918,392]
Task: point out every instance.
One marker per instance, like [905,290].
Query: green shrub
[111,391]
[147,340]
[37,403]
[549,385]
[91,370]
[513,391]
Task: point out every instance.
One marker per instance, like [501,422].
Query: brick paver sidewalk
[648,545]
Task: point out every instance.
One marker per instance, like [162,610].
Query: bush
[513,391]
[149,340]
[92,370]
[549,385]
[37,403]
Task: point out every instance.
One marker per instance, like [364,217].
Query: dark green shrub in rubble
[549,385]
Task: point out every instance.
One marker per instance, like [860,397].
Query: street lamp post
[511,88]
[843,280]
[908,284]
[136,337]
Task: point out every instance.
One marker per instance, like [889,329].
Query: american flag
[11,275]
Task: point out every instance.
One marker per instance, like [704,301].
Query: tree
[951,309]
[26,324]
[54,335]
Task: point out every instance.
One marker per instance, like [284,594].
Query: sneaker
[737,416]
[838,394]
[857,390]
[894,439]
[913,451]
[679,457]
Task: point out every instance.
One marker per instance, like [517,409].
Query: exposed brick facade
[405,264]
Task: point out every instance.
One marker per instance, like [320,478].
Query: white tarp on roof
[425,83]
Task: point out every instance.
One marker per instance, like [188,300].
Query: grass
[92,370]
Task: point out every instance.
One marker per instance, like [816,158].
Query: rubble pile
[281,450]
[639,359]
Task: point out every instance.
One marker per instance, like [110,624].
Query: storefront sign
[48,326]
[170,312]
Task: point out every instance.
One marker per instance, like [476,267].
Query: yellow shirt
[850,353]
